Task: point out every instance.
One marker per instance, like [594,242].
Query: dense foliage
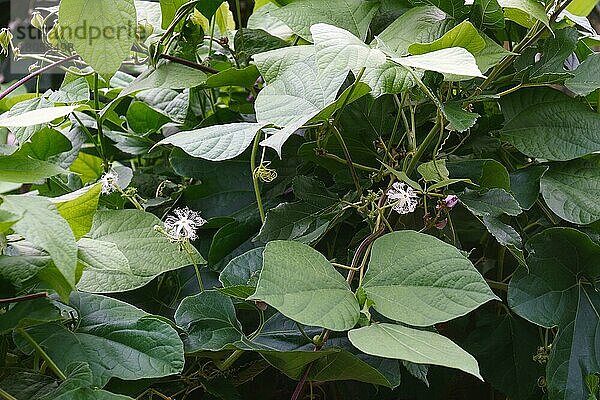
[345,199]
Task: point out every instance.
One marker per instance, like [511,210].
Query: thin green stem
[340,139]
[341,160]
[253,167]
[101,141]
[423,147]
[42,354]
[238,10]
[193,259]
[230,360]
[6,396]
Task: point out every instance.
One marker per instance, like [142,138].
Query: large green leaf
[36,117]
[352,15]
[339,50]
[558,290]
[166,75]
[216,142]
[300,283]
[487,14]
[29,313]
[585,78]
[209,321]
[78,208]
[240,275]
[571,190]
[421,347]
[524,12]
[454,62]
[116,340]
[462,35]
[43,226]
[110,27]
[548,124]
[419,280]
[19,169]
[417,25]
[149,253]
[298,94]
[168,9]
[525,185]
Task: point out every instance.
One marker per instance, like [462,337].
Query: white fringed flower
[403,198]
[110,182]
[183,225]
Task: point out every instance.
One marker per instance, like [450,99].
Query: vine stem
[191,64]
[193,259]
[340,139]
[34,74]
[99,122]
[23,298]
[253,156]
[423,147]
[43,354]
[6,396]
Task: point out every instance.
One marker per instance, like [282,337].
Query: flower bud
[5,40]
[37,21]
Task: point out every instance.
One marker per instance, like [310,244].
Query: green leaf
[75,91]
[550,67]
[110,26]
[351,15]
[491,55]
[43,226]
[29,313]
[116,339]
[249,42]
[19,169]
[487,14]
[458,118]
[421,347]
[525,185]
[558,291]
[454,61]
[434,171]
[298,94]
[455,8]
[44,144]
[313,191]
[23,134]
[524,12]
[300,283]
[300,221]
[548,124]
[209,320]
[462,35]
[417,25]
[490,206]
[240,275]
[216,142]
[149,253]
[494,203]
[88,167]
[168,10]
[7,219]
[78,208]
[571,190]
[487,173]
[585,78]
[412,279]
[17,270]
[339,50]
[36,117]
[144,119]
[244,77]
[167,75]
